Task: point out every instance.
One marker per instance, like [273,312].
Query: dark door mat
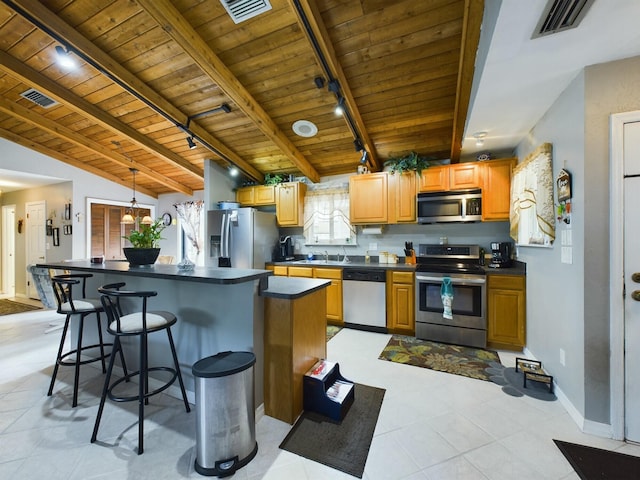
[594,463]
[9,307]
[340,445]
[512,383]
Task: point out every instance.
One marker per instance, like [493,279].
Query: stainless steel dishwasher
[363,299]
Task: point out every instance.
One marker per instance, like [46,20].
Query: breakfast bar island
[218,309]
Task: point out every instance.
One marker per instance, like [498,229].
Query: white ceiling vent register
[38,98]
[241,10]
[560,15]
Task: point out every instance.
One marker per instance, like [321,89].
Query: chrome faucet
[345,259]
[326,256]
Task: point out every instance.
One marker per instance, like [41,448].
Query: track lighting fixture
[339,110]
[191,143]
[357,143]
[364,157]
[64,57]
[333,86]
[233,171]
[319,81]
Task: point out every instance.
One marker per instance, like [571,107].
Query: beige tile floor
[432,425]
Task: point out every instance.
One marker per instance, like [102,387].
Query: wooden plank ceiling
[150,73]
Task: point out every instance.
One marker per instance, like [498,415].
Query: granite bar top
[293,287]
[168,272]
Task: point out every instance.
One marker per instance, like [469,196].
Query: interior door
[8,250]
[632,280]
[36,240]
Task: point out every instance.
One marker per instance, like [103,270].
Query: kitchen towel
[446,293]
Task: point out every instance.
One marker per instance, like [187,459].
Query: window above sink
[326,216]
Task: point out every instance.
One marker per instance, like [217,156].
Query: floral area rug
[465,361]
[332,330]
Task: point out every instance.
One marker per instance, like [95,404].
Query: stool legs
[143,385]
[78,353]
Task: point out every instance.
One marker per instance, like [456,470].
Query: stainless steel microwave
[457,206]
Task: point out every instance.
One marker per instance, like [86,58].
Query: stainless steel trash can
[225,413]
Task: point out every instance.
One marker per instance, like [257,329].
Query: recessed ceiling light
[304,128]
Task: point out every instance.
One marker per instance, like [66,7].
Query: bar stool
[63,291]
[139,324]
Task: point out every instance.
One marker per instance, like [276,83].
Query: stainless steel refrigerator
[240,238]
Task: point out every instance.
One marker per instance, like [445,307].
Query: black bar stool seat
[141,324]
[63,286]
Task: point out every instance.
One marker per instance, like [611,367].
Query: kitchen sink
[317,262]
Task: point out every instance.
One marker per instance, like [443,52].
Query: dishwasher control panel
[364,275]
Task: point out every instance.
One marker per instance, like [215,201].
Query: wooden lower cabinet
[334,293]
[294,340]
[506,312]
[401,303]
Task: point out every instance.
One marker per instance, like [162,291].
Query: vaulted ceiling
[150,73]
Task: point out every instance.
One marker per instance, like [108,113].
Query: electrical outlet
[373,246]
[562,357]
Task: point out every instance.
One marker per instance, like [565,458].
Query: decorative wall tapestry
[532,214]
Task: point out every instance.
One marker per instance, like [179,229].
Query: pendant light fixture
[130,216]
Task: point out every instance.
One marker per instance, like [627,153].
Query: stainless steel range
[459,264]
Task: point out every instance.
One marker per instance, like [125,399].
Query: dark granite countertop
[168,272]
[293,287]
[517,268]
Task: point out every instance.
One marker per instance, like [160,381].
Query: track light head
[191,143]
[357,143]
[339,110]
[225,108]
[334,86]
[64,58]
[319,81]
[364,157]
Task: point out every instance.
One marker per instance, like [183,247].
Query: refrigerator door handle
[224,236]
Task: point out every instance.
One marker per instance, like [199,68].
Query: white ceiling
[517,78]
[521,78]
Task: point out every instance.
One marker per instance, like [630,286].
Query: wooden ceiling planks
[157,63]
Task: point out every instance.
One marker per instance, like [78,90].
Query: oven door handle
[454,280]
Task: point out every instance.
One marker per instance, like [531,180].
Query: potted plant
[144,241]
[409,162]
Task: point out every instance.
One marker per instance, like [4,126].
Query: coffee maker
[284,250]
[501,254]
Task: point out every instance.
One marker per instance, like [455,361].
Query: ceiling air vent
[560,15]
[38,98]
[241,10]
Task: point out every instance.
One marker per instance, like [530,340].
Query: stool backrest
[63,288]
[111,295]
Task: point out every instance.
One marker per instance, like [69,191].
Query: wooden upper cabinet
[368,198]
[460,176]
[245,195]
[496,189]
[434,179]
[256,195]
[402,197]
[465,175]
[290,204]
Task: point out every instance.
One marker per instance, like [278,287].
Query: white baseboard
[586,426]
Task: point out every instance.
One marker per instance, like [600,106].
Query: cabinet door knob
[636,295]
[635,277]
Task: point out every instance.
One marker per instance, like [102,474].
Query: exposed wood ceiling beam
[324,42]
[472,22]
[33,78]
[58,130]
[109,66]
[183,33]
[12,137]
